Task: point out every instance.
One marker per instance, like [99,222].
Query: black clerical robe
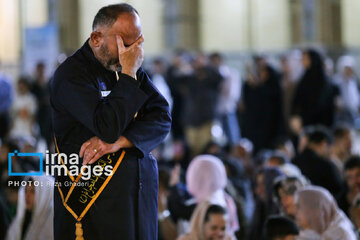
[87,100]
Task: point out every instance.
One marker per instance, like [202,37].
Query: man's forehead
[355,170]
[127,37]
[128,26]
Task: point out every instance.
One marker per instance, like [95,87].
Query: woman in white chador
[23,112]
[35,211]
[347,82]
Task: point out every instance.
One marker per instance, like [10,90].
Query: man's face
[352,177]
[215,227]
[128,26]
[40,70]
[200,61]
[22,88]
[216,61]
[323,149]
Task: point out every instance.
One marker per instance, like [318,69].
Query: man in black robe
[103,102]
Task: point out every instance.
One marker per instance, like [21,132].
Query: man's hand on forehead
[122,47]
[131,57]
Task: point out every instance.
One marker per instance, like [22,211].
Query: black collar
[87,51]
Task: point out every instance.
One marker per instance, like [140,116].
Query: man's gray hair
[107,16]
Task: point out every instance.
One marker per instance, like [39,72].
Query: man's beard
[107,61]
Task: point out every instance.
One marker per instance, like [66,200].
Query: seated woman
[206,181]
[207,223]
[264,202]
[319,217]
[34,215]
[284,191]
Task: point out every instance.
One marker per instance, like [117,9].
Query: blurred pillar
[295,21]
[52,10]
[270,27]
[246,25]
[182,24]
[34,13]
[249,25]
[225,26]
[350,16]
[316,22]
[10,25]
[68,21]
[329,22]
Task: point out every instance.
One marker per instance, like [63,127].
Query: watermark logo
[34,156]
[60,165]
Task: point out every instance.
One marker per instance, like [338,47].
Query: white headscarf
[348,87]
[205,176]
[41,224]
[345,61]
[206,180]
[197,230]
[323,215]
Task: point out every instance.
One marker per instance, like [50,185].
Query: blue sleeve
[6,96]
[153,122]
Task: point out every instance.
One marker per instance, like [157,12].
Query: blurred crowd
[269,152]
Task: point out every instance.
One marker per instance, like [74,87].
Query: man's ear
[96,38]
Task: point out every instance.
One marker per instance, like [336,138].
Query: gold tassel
[79,231]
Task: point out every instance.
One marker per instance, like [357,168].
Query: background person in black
[40,89]
[89,118]
[201,92]
[351,192]
[314,99]
[315,165]
[262,107]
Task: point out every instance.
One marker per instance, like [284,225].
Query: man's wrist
[129,73]
[119,143]
[123,142]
